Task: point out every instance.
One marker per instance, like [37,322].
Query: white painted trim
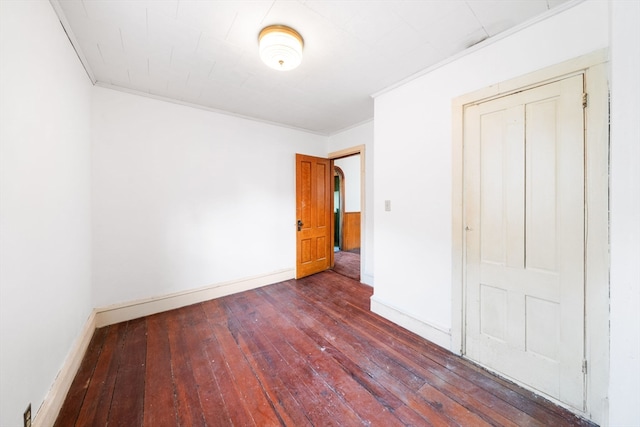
[597,243]
[205,108]
[365,121]
[533,390]
[85,63]
[72,39]
[352,151]
[134,309]
[436,334]
[593,66]
[50,408]
[458,242]
[487,42]
[48,411]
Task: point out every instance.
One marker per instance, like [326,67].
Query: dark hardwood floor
[296,353]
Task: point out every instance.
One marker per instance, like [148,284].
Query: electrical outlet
[27,416]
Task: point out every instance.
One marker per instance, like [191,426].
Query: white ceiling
[205,52]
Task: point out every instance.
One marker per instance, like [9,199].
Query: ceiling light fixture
[280,47]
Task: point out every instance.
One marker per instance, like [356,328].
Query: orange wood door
[313,215]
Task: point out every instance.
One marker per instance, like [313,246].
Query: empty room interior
[192,173]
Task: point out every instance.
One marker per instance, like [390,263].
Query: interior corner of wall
[135,309]
[50,407]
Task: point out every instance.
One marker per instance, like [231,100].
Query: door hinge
[584,366]
[585,99]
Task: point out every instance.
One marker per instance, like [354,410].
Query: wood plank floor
[297,353]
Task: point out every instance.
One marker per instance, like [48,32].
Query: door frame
[351,151]
[596,305]
[339,173]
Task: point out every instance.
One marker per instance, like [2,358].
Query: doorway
[312,249]
[347,215]
[488,290]
[350,259]
[524,210]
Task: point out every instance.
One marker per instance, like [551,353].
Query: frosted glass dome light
[280,47]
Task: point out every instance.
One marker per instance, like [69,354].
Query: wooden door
[314,195]
[524,215]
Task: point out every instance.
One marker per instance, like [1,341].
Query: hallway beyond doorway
[347,263]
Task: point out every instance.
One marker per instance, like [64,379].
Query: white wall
[185,198]
[625,215]
[351,168]
[353,137]
[44,203]
[413,145]
[412,166]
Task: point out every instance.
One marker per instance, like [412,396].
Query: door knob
[300,224]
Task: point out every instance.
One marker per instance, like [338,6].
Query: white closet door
[524,214]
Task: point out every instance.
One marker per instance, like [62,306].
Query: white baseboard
[435,334]
[50,408]
[132,310]
[48,411]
